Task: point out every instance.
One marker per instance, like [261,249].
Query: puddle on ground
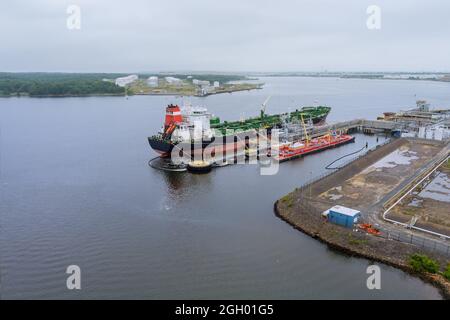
[395,158]
[415,203]
[438,189]
[335,196]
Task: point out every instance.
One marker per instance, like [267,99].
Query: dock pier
[351,126]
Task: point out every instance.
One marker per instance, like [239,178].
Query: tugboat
[199,167]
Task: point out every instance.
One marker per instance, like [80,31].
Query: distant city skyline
[234,36]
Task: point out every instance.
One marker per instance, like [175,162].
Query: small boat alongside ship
[199,166]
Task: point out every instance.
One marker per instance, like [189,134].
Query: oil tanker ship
[196,127]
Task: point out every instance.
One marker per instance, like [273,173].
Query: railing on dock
[419,241]
[424,243]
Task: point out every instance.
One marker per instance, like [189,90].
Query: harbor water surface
[76,189]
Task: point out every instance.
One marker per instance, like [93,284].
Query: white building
[201,82]
[216,84]
[152,81]
[440,132]
[173,80]
[122,82]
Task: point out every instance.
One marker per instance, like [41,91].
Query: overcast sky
[231,35]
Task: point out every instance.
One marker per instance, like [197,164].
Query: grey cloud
[231,35]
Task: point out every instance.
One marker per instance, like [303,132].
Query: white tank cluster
[153,81]
[436,132]
[123,81]
[440,132]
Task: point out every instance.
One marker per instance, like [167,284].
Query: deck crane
[263,106]
[304,128]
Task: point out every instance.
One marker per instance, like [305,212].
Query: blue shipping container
[343,216]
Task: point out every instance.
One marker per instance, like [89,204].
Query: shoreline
[438,281]
[302,209]
[175,94]
[64,96]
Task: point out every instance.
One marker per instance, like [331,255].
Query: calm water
[75,188]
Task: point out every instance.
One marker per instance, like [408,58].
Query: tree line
[58,84]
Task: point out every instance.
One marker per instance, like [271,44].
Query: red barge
[292,150]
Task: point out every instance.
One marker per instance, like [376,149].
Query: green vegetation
[446,165]
[446,273]
[357,242]
[58,84]
[83,84]
[354,241]
[422,263]
[187,88]
[222,78]
[184,89]
[410,211]
[288,200]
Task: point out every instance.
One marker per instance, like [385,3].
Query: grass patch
[446,165]
[288,200]
[421,263]
[409,211]
[446,273]
[357,242]
[354,241]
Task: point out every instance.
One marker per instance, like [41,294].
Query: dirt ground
[429,203]
[366,184]
[373,183]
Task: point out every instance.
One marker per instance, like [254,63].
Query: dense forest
[58,84]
